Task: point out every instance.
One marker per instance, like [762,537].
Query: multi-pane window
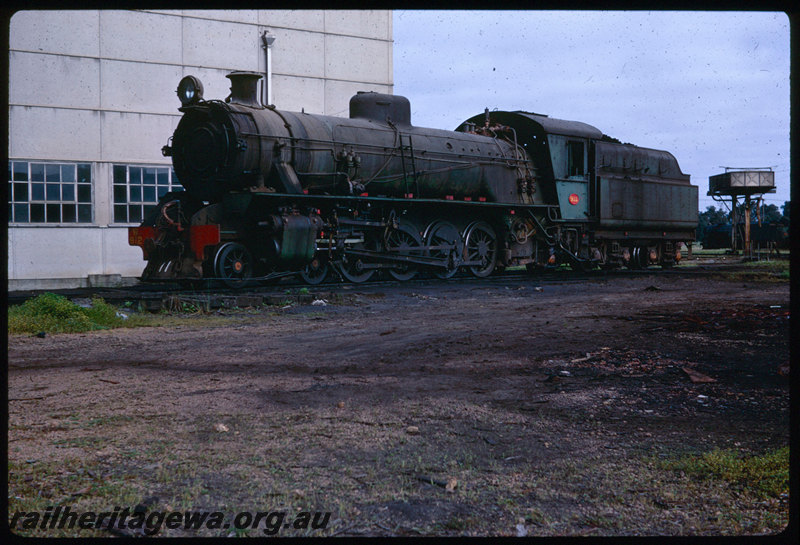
[49,192]
[138,188]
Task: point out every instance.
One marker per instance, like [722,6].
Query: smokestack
[244,88]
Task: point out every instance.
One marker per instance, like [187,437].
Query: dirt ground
[539,408]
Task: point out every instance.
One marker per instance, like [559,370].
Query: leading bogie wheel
[481,242]
[315,272]
[233,264]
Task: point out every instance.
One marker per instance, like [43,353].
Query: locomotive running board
[545,208]
[174,279]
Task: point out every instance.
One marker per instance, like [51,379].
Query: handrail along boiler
[270,192]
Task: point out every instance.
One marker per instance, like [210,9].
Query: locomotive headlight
[190,91]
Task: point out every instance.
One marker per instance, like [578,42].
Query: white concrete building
[92,101]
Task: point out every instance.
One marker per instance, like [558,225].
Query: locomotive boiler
[270,192]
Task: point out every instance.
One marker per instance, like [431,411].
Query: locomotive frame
[271,193]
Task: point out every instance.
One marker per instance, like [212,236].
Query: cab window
[575,166]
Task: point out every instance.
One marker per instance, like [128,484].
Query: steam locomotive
[768,236]
[270,193]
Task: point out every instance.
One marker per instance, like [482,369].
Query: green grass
[773,264]
[777,269]
[698,249]
[53,313]
[765,475]
[756,274]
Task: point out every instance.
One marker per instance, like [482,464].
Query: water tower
[746,184]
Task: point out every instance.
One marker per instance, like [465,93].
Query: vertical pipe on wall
[266,42]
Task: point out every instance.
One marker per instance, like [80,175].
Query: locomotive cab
[617,203]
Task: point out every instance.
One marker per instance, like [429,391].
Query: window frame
[571,156]
[55,176]
[134,194]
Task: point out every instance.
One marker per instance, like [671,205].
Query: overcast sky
[711,88]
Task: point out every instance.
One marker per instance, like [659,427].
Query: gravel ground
[517,408]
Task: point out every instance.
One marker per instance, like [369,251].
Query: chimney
[243,88]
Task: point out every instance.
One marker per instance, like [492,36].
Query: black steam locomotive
[269,192]
[768,236]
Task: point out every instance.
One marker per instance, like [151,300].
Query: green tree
[711,216]
[771,214]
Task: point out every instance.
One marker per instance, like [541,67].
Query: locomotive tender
[269,192]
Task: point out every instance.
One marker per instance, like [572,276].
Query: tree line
[713,217]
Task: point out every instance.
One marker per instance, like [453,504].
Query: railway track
[155,296]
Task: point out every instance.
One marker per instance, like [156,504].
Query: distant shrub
[53,313]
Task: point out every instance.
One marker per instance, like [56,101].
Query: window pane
[120,174]
[150,176]
[53,213]
[53,192]
[163,176]
[149,194]
[52,173]
[21,212]
[20,171]
[148,208]
[120,213]
[67,173]
[162,191]
[21,192]
[84,193]
[120,193]
[177,188]
[575,159]
[68,212]
[37,213]
[84,173]
[37,192]
[85,213]
[37,172]
[67,192]
[136,193]
[136,175]
[135,211]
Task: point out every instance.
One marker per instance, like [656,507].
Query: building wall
[98,88]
